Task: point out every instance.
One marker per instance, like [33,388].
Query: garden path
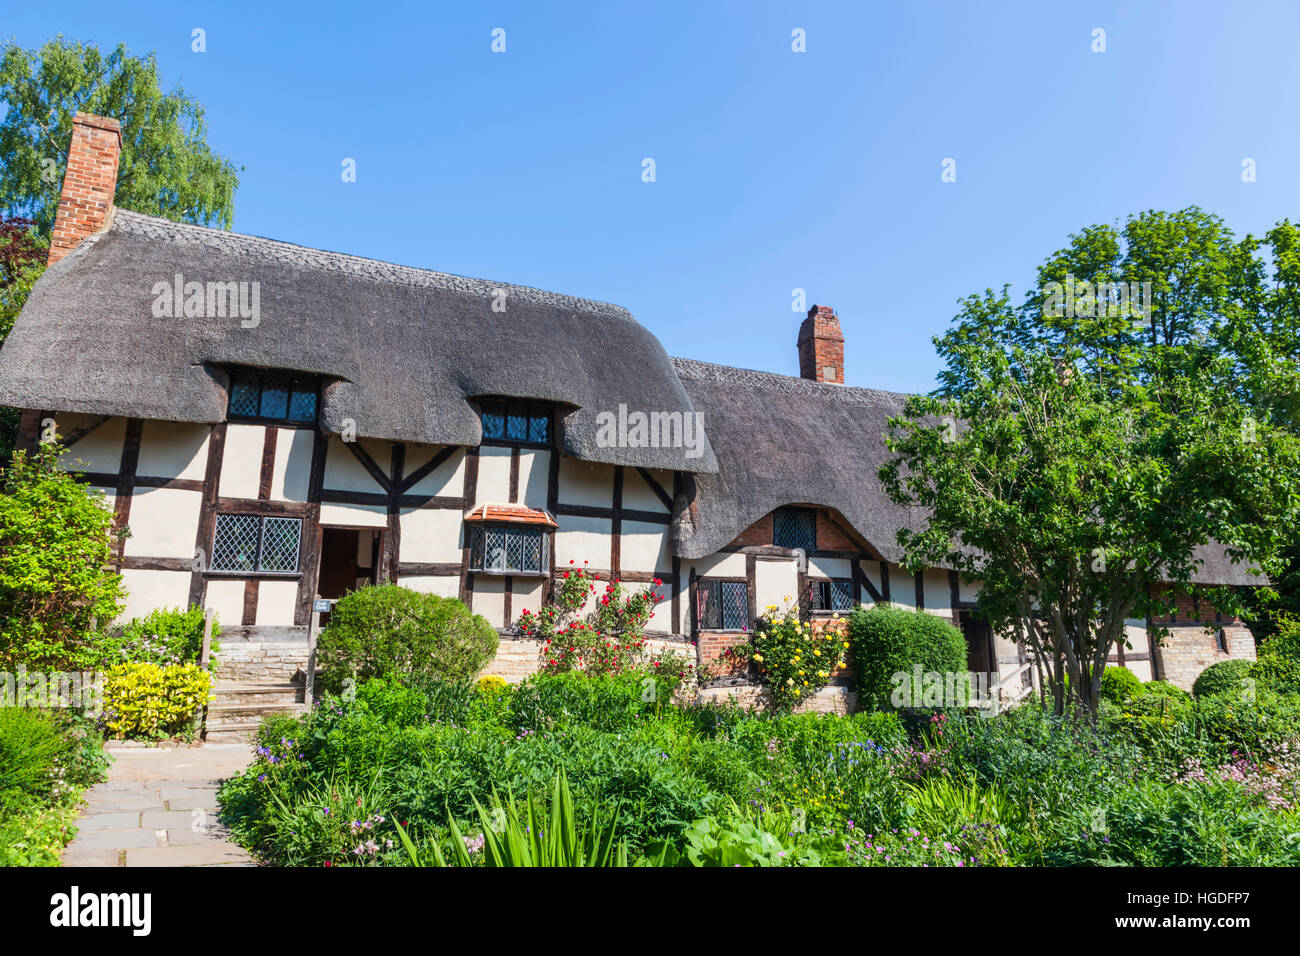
[159,808]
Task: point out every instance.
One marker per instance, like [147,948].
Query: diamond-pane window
[273,396]
[255,543]
[836,595]
[721,605]
[516,421]
[505,550]
[234,547]
[280,538]
[794,528]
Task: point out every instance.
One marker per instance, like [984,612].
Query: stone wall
[1190,648]
[519,657]
[244,660]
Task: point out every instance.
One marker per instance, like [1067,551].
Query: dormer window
[269,396]
[795,528]
[516,422]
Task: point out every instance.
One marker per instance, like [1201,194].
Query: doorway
[980,658]
[349,558]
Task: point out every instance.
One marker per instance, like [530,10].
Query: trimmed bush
[149,701]
[1162,688]
[30,748]
[1278,668]
[390,631]
[886,640]
[1118,684]
[1222,678]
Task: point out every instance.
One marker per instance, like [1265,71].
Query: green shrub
[1278,668]
[390,631]
[1222,678]
[1162,688]
[1226,723]
[1118,684]
[163,636]
[149,701]
[56,582]
[887,640]
[30,748]
[554,701]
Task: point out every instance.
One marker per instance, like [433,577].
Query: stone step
[221,710]
[267,691]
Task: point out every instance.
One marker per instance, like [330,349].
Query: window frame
[256,571]
[478,528]
[829,585]
[701,583]
[259,376]
[533,411]
[809,511]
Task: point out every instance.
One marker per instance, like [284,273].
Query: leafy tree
[167,168]
[22,260]
[56,585]
[1097,450]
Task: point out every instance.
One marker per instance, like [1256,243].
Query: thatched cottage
[274,423]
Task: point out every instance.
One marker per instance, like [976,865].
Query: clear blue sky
[775,170]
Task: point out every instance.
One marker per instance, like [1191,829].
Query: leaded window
[273,396]
[794,528]
[721,605]
[516,421]
[834,595]
[256,543]
[501,549]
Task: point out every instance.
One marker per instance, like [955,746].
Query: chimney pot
[821,346]
[88,183]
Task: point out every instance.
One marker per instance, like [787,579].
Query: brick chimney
[88,184]
[821,346]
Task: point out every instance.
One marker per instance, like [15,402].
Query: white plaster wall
[101,450]
[241,461]
[343,472]
[637,494]
[938,592]
[534,476]
[226,597]
[830,568]
[431,534]
[773,581]
[490,599]
[585,483]
[644,547]
[149,590]
[525,594]
[164,523]
[582,539]
[902,587]
[872,571]
[969,590]
[729,565]
[493,476]
[447,479]
[440,585]
[367,516]
[291,474]
[173,450]
[276,600]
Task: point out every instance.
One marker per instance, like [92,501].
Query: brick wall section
[821,346]
[831,537]
[519,657]
[756,535]
[88,183]
[1190,648]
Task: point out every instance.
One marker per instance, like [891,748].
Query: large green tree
[167,168]
[1077,452]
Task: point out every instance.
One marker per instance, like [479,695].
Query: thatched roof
[405,348]
[790,441]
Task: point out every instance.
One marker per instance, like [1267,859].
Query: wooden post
[207,639]
[309,685]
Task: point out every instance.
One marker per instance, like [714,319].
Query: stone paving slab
[145,811]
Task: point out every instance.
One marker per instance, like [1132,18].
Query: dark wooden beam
[676,584]
[751,580]
[657,488]
[470,494]
[428,468]
[919,579]
[311,532]
[268,463]
[207,514]
[514,474]
[436,569]
[250,602]
[393,539]
[368,463]
[884,581]
[126,482]
[616,523]
[628,514]
[135,563]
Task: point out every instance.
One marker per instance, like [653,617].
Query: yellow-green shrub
[490,684]
[152,700]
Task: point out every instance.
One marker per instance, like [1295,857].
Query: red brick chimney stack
[821,346]
[88,184]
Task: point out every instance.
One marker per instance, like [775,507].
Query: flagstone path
[159,808]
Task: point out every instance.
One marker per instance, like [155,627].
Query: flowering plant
[607,640]
[797,658]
